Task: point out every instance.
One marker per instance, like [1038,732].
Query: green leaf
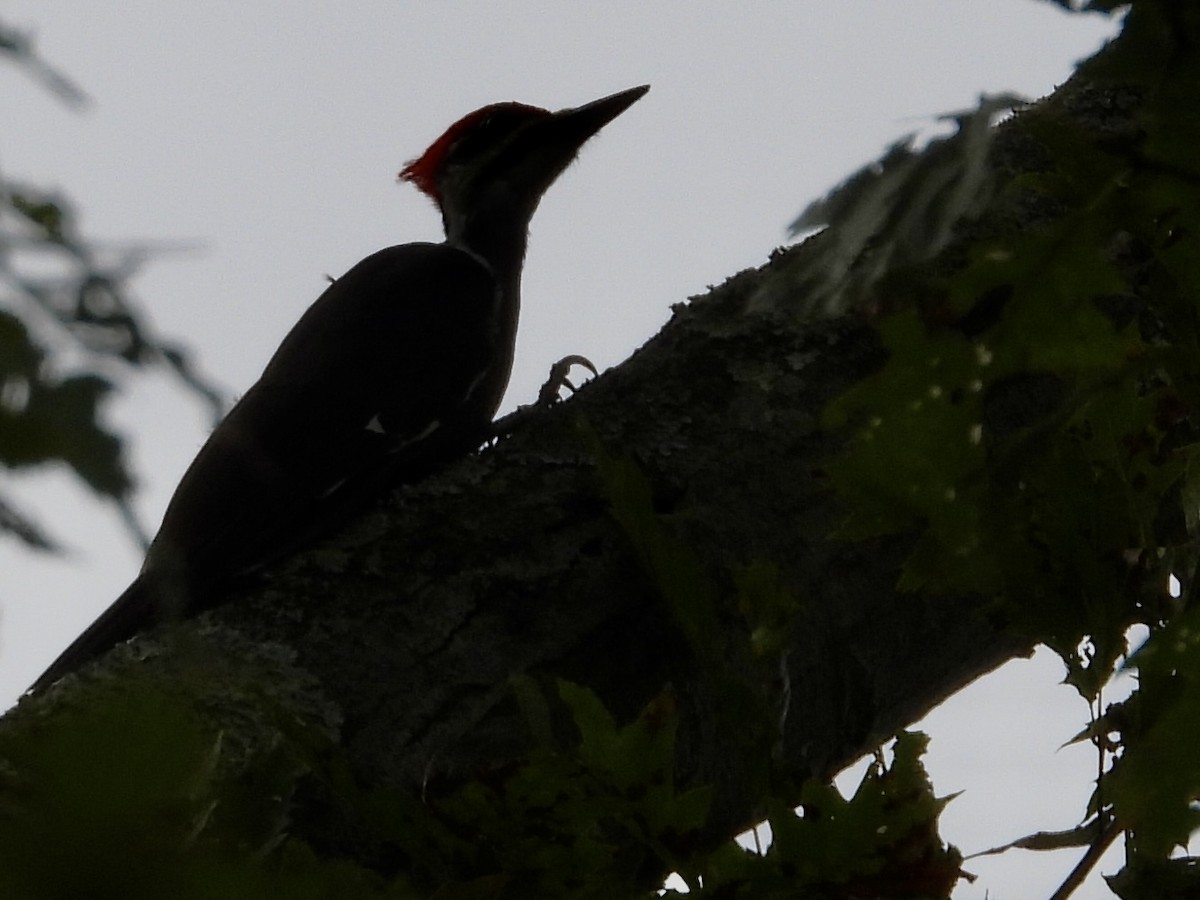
[48,216]
[901,210]
[120,789]
[674,568]
[882,841]
[769,607]
[1155,784]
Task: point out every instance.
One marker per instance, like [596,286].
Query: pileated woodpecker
[397,368]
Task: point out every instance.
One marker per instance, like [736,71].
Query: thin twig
[1085,865]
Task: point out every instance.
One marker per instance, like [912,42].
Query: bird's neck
[497,237]
[496,230]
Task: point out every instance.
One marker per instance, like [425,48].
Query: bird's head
[500,159]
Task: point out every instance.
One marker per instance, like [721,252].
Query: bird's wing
[377,374]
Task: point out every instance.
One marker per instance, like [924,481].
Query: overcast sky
[266,136]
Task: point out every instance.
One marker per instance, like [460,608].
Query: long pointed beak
[584,121]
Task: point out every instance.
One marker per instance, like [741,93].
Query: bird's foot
[560,377]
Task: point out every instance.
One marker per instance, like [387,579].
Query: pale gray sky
[270,133]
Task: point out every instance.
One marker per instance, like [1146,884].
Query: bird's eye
[481,133]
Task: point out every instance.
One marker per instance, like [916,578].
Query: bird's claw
[559,378]
[547,396]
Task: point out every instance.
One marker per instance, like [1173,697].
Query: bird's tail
[127,615]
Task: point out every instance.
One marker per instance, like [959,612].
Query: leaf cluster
[67,323]
[880,842]
[162,806]
[1037,422]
